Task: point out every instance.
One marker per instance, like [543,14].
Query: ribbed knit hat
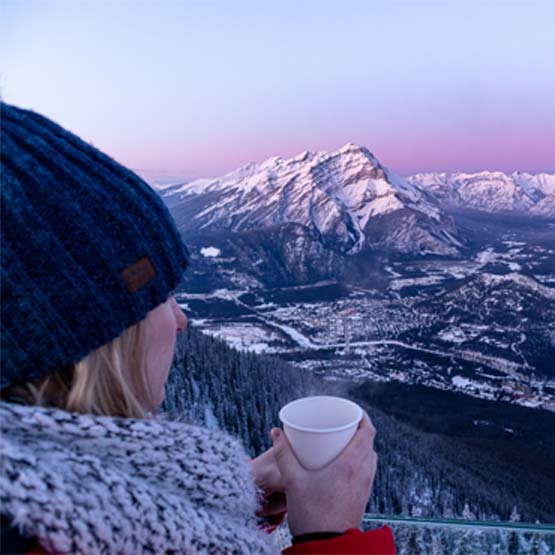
[87,249]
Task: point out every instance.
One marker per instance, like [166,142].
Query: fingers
[362,442]
[371,461]
[371,464]
[275,503]
[286,460]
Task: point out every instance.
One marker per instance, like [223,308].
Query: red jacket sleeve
[352,542]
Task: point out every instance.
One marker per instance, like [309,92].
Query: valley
[484,326]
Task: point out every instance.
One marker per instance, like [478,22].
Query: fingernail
[275,433]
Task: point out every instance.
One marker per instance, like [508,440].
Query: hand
[268,477]
[332,498]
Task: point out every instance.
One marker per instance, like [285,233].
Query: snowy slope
[492,191]
[340,195]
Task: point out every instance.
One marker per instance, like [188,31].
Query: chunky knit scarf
[90,484]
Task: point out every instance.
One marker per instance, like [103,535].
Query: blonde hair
[109,381]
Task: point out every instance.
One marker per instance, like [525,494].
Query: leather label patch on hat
[138,274]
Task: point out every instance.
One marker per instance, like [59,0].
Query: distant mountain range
[349,201]
[496,192]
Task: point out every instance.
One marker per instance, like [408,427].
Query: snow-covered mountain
[492,191]
[347,198]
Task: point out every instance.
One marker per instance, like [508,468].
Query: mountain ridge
[491,191]
[339,195]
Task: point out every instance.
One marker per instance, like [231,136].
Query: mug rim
[320,430]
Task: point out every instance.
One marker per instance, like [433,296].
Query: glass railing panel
[415,536]
[420,536]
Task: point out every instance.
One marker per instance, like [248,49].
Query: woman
[90,257]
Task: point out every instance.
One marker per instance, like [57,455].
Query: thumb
[286,460]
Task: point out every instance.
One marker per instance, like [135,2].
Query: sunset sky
[200,88]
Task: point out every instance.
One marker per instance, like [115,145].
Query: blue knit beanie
[88,248]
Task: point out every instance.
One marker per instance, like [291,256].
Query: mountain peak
[303,156]
[359,154]
[353,148]
[350,150]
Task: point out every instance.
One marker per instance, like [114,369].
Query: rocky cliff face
[281,255]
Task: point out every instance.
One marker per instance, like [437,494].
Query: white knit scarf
[90,484]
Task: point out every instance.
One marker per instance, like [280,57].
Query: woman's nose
[180,317]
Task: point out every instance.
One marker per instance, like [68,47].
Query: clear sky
[201,88]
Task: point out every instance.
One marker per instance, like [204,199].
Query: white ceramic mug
[319,428]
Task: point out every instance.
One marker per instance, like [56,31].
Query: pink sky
[198,89]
